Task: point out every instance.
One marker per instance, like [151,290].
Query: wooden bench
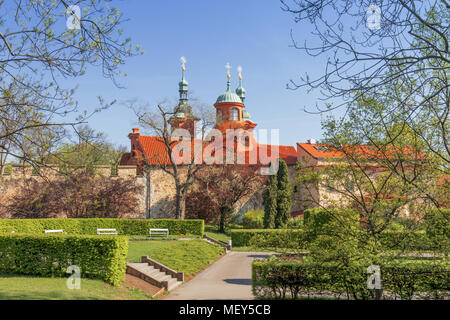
[107,231]
[54,231]
[158,232]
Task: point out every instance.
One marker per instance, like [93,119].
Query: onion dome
[240,91]
[183,108]
[228,96]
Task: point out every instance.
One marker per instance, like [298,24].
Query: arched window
[234,114]
[219,115]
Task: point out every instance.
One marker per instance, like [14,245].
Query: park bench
[107,231]
[54,231]
[158,232]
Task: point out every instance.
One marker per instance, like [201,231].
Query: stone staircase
[156,273]
[225,246]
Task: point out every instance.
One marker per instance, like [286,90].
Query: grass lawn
[188,256]
[32,288]
[211,231]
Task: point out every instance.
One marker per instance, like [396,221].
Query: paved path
[228,278]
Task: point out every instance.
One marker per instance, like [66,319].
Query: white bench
[107,231]
[158,232]
[54,231]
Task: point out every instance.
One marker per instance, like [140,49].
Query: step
[174,285]
[138,266]
[149,270]
[156,274]
[162,277]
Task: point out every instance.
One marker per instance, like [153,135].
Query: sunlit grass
[37,288]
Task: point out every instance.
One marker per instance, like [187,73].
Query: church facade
[231,141]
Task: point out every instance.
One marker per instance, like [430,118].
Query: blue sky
[252,33]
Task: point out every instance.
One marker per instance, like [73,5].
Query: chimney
[134,135]
[312,141]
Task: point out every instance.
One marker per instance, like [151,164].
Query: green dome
[229,96]
[240,91]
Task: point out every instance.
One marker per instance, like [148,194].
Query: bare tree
[184,172]
[394,53]
[35,53]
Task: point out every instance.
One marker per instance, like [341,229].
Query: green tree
[284,196]
[270,197]
[89,151]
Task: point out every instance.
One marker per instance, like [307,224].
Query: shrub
[253,219]
[285,240]
[408,241]
[287,279]
[99,257]
[295,222]
[89,226]
[270,237]
[315,218]
[437,223]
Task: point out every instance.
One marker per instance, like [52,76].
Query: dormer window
[234,114]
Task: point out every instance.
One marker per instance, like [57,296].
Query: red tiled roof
[155,152]
[358,151]
[297,213]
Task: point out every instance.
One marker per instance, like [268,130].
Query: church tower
[183,114]
[230,113]
[234,121]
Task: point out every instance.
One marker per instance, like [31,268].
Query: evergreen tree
[270,196]
[284,196]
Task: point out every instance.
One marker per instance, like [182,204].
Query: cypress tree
[270,196]
[284,196]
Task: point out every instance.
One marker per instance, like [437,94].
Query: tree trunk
[180,205]
[224,212]
[147,192]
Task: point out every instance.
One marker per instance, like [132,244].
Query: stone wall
[20,176]
[157,198]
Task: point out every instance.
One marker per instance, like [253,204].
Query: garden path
[228,278]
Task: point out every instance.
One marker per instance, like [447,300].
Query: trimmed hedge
[290,279]
[90,225]
[412,241]
[253,219]
[242,237]
[98,257]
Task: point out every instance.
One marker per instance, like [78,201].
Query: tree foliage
[392,80]
[270,198]
[77,195]
[36,52]
[284,196]
[224,187]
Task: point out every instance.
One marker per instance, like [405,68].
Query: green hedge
[412,241]
[98,257]
[290,279]
[243,237]
[253,219]
[89,226]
